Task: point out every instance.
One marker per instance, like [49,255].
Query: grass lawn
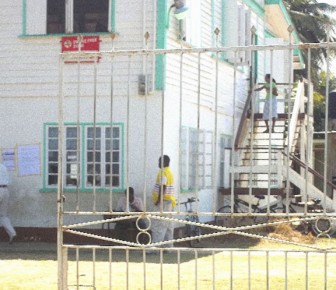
[263,265]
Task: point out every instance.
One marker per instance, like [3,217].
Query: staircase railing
[298,107]
[299,162]
[242,124]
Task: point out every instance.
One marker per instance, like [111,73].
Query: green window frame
[92,154]
[225,152]
[67,17]
[196,159]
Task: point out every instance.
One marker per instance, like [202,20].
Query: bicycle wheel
[233,221]
[193,231]
[262,219]
[224,220]
[323,226]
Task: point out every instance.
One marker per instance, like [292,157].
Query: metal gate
[120,111]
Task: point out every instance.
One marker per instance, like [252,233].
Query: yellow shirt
[164,177]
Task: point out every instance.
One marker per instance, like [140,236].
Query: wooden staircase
[263,161]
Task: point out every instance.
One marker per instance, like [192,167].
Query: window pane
[53,144]
[115,156]
[116,132]
[90,156]
[89,181]
[72,156]
[56,16]
[116,145]
[115,169]
[115,181]
[53,156]
[90,144]
[71,132]
[90,169]
[52,179]
[53,168]
[91,15]
[71,144]
[90,132]
[53,132]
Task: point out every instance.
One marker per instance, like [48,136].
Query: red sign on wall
[87,43]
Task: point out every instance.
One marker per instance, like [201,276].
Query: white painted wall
[29,98]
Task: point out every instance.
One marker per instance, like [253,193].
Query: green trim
[65,34]
[256,59]
[74,190]
[83,126]
[289,22]
[44,156]
[161,43]
[82,187]
[112,13]
[256,7]
[267,2]
[190,190]
[269,34]
[24,17]
[223,25]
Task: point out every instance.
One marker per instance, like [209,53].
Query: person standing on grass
[271,98]
[163,199]
[4,197]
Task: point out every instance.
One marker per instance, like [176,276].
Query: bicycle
[191,230]
[322,226]
[242,206]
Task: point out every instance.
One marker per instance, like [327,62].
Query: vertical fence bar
[77,267]
[233,155]
[286,269]
[144,268]
[146,36]
[325,269]
[62,279]
[270,129]
[78,124]
[196,269]
[163,98]
[214,159]
[180,126]
[128,134]
[307,270]
[94,268]
[127,269]
[249,284]
[94,203]
[213,270]
[198,126]
[113,35]
[267,271]
[290,29]
[110,267]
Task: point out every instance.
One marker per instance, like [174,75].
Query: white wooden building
[185,97]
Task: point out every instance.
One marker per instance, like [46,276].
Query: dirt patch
[286,232]
[283,232]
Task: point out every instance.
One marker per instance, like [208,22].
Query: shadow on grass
[182,252]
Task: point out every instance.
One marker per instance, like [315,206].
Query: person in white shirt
[4,197]
[134,202]
[134,205]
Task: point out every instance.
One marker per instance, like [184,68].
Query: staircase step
[281,116]
[255,191]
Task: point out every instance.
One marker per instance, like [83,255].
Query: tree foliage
[313,24]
